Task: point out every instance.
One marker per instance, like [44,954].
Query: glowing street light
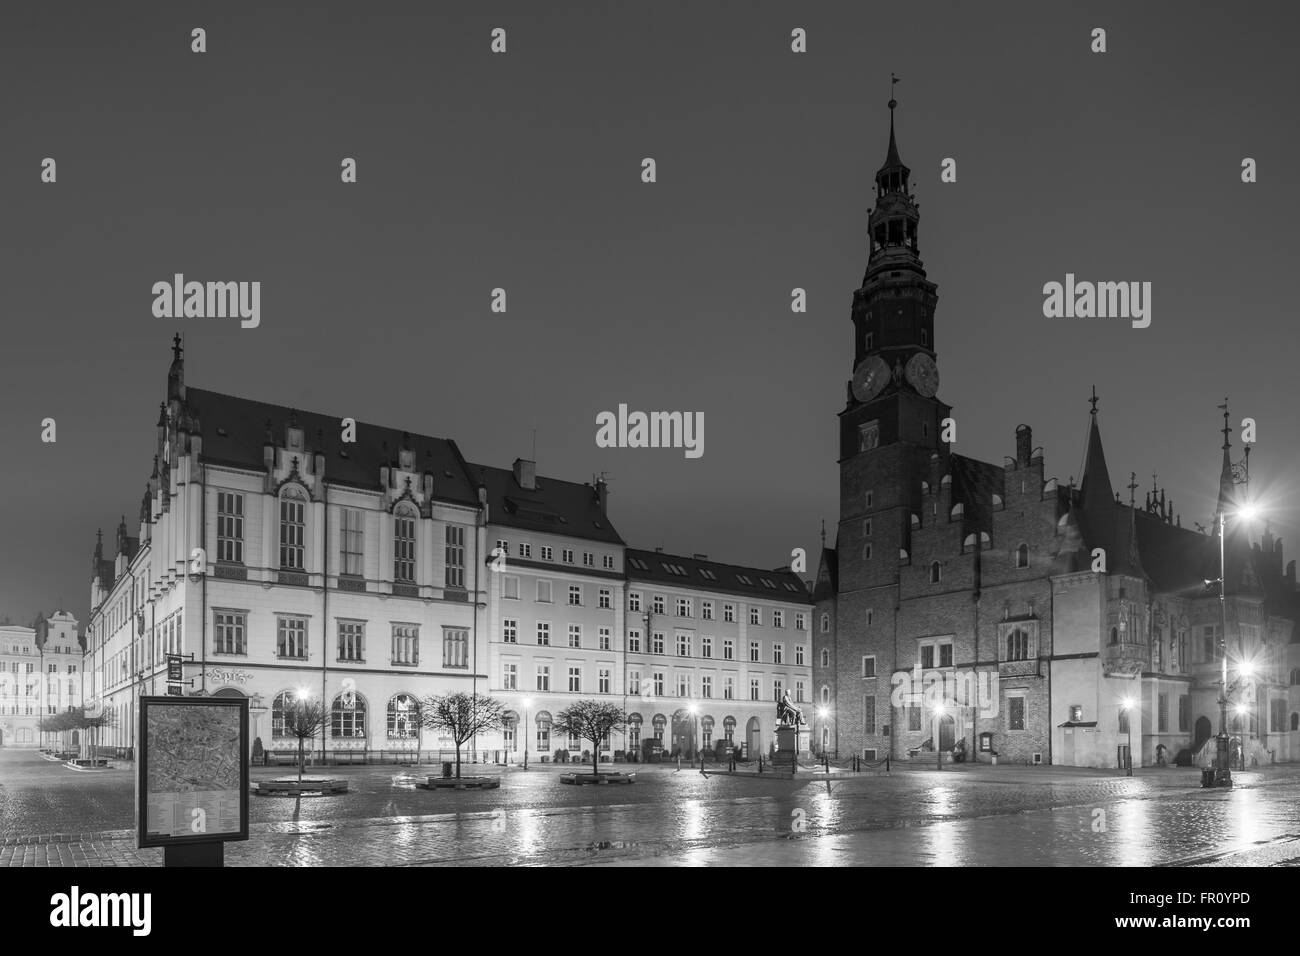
[528,703]
[939,710]
[1129,704]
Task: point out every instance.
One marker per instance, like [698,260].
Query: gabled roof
[680,571]
[828,576]
[553,507]
[234,432]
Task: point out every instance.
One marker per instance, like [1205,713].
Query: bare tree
[304,718]
[92,719]
[591,720]
[461,716]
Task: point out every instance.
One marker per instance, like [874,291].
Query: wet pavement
[1038,816]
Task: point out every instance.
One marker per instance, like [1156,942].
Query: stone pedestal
[787,747]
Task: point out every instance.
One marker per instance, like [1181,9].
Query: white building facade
[41,672]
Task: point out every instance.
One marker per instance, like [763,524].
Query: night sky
[522,171]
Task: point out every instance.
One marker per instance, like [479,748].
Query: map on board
[194,770]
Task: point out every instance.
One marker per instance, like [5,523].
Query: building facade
[282,552]
[41,673]
[985,611]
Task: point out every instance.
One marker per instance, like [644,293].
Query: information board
[192,770]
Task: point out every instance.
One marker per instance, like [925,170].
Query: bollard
[886,763]
[760,763]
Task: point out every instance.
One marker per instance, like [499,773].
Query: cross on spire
[1093,400]
[1132,487]
[1226,427]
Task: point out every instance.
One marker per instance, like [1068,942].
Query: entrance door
[947,732]
[1202,733]
[753,738]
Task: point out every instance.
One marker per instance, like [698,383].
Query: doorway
[1202,730]
[753,739]
[947,732]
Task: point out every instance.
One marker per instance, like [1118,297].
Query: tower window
[1022,556]
[925,338]
[871,341]
[934,572]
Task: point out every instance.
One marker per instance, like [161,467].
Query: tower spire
[1226,492]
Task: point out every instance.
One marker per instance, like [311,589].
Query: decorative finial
[1093,401]
[823,534]
[893,80]
[1132,487]
[1226,427]
[177,348]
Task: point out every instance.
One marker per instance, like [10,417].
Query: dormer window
[406,459]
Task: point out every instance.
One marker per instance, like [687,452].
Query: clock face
[923,374]
[869,378]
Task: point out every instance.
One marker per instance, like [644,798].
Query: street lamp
[528,703]
[1223,770]
[1127,704]
[823,713]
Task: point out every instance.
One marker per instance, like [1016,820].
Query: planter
[293,787]
[463,783]
[578,779]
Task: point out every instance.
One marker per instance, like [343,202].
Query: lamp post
[823,713]
[1223,760]
[1127,704]
[528,703]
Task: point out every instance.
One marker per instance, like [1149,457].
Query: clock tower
[891,424]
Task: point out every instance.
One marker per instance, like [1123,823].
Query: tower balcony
[1125,660]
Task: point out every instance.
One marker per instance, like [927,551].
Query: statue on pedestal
[788,713]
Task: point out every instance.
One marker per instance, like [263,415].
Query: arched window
[659,723]
[510,731]
[729,728]
[925,487]
[404,518]
[634,732]
[1295,677]
[957,510]
[282,705]
[1018,645]
[348,722]
[293,505]
[403,717]
[1022,556]
[826,657]
[543,731]
[706,733]
[1114,635]
[997,502]
[916,520]
[826,623]
[826,694]
[934,572]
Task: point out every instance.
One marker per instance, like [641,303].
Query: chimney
[526,474]
[1024,444]
[659,550]
[602,496]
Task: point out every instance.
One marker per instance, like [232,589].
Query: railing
[1125,660]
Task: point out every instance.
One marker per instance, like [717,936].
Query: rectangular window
[706,646]
[544,633]
[510,630]
[683,645]
[634,683]
[755,615]
[657,642]
[567,555]
[755,652]
[575,635]
[658,604]
[706,686]
[605,638]
[504,547]
[633,601]
[455,647]
[230,527]
[945,655]
[291,533]
[927,656]
[778,617]
[869,714]
[778,687]
[798,655]
[683,607]
[606,599]
[510,587]
[352,641]
[404,549]
[799,621]
[455,556]
[753,688]
[575,680]
[575,595]
[869,667]
[291,637]
[544,591]
[728,688]
[1184,712]
[913,718]
[1162,713]
[588,559]
[548,553]
[633,641]
[778,653]
[1015,713]
[406,644]
[798,692]
[608,562]
[729,613]
[509,676]
[728,649]
[706,610]
[683,685]
[659,683]
[229,631]
[525,551]
[603,680]
[351,542]
[543,676]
